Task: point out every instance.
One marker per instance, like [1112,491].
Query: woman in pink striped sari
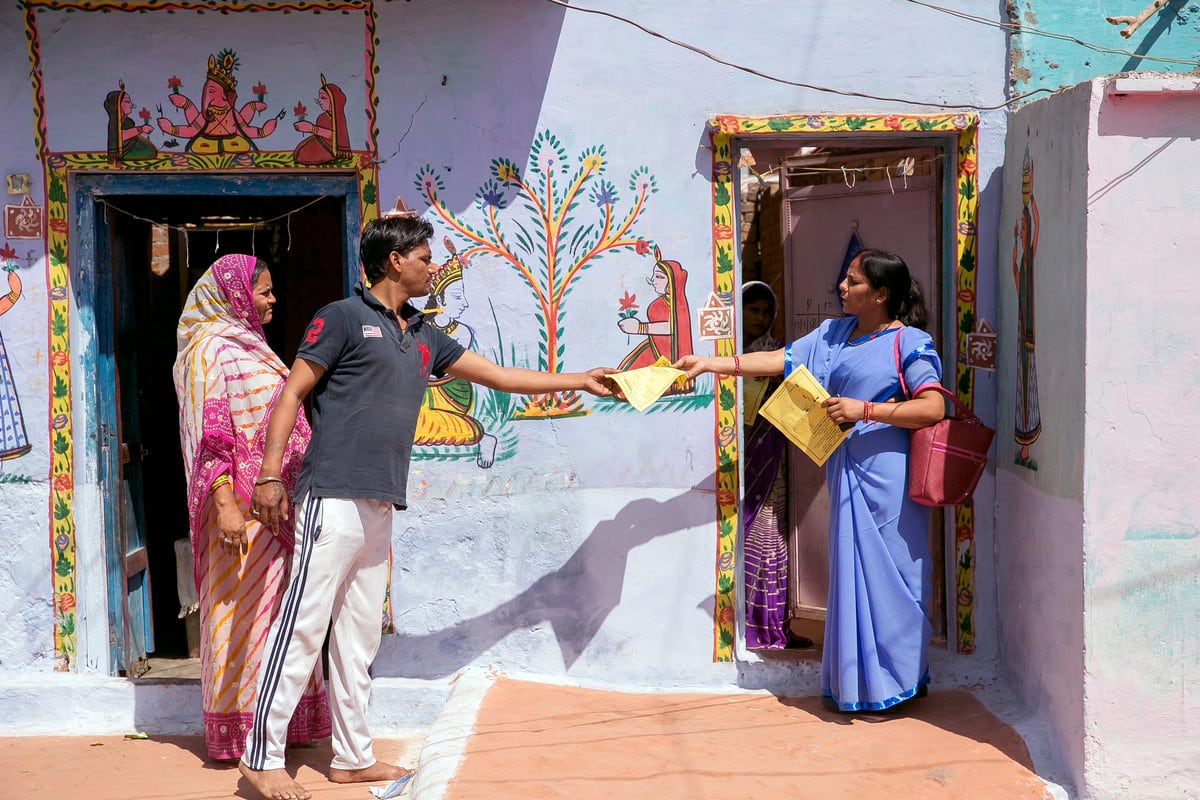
[227,378]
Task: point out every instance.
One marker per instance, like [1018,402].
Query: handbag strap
[964,413]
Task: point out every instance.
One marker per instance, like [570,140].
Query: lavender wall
[1039,514]
[590,551]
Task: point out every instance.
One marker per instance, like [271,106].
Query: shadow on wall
[575,599]
[1162,24]
[466,98]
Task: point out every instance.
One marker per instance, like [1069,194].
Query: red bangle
[867,411]
[737,366]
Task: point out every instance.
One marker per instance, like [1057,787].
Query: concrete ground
[500,738]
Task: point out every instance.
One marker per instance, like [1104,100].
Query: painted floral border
[57,169]
[211,6]
[722,130]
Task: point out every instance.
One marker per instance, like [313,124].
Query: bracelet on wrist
[261,479]
[737,365]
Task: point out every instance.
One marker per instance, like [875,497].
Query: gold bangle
[222,480]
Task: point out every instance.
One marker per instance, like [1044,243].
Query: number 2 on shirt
[314,330]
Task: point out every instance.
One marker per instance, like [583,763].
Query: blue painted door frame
[130,632]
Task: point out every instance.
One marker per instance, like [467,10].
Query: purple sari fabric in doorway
[764,545]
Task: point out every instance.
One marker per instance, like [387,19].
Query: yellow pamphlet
[754,391]
[795,408]
[645,385]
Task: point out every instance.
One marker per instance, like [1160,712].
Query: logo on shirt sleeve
[372,332]
[423,351]
[314,330]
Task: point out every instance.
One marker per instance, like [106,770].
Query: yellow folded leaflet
[795,408]
[643,386]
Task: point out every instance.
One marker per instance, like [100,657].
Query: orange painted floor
[158,768]
[533,741]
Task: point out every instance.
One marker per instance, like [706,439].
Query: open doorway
[806,204]
[150,249]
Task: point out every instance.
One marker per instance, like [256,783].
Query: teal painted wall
[1040,61]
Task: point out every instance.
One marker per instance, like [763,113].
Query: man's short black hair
[387,235]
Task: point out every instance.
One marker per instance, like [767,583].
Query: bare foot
[274,784]
[376,772]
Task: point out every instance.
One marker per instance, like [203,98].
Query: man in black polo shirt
[366,360]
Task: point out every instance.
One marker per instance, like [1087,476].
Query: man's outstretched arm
[477,369]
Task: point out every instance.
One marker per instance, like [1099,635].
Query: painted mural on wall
[667,330]
[453,423]
[217,126]
[552,245]
[216,134]
[127,140]
[328,139]
[14,441]
[23,220]
[1028,425]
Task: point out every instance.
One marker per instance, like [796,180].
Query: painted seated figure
[126,139]
[218,126]
[446,413]
[328,140]
[667,328]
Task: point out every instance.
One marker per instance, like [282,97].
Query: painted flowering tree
[549,226]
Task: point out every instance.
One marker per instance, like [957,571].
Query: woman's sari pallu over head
[227,379]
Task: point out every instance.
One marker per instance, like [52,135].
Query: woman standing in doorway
[765,545]
[877,630]
[227,379]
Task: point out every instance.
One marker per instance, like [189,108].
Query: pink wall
[1141,505]
[1097,563]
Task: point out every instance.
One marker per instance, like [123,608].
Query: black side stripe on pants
[271,668]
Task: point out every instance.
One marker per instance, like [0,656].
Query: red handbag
[945,459]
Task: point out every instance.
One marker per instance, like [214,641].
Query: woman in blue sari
[877,629]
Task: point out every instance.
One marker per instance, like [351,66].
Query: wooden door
[130,609]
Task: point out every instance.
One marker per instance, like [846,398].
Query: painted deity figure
[127,140]
[1028,424]
[446,416]
[218,126]
[14,442]
[667,327]
[328,140]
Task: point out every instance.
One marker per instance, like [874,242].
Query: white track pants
[339,572]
